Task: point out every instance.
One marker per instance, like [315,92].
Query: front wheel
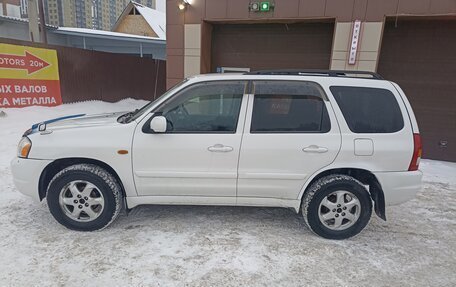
[337,207]
[84,197]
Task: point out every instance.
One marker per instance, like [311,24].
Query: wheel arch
[364,176]
[57,165]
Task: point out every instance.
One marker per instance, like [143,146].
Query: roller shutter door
[420,55]
[272,46]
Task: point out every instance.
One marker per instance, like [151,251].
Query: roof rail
[323,73]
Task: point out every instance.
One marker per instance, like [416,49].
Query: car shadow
[214,216]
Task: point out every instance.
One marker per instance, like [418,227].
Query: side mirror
[158,124]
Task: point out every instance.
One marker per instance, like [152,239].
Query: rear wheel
[84,197]
[337,207]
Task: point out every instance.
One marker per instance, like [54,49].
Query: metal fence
[93,75]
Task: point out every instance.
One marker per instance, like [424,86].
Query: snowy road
[220,246]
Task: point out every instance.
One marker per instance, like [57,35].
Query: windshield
[131,116]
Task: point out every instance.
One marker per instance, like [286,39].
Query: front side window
[211,107]
[289,107]
[369,110]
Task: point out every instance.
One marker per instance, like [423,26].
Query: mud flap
[379,199]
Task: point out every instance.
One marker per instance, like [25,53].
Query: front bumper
[26,175]
[399,187]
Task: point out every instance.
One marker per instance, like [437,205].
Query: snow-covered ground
[220,246]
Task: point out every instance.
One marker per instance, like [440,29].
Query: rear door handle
[220,148]
[315,149]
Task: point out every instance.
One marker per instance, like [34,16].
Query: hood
[75,121]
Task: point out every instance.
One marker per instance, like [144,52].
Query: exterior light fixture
[255,7]
[265,6]
[261,6]
[184,4]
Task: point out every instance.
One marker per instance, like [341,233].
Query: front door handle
[220,148]
[315,149]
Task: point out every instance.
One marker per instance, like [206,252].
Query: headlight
[24,147]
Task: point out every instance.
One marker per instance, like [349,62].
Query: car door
[198,154]
[290,133]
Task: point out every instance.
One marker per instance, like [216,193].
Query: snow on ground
[220,246]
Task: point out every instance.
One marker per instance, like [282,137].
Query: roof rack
[323,73]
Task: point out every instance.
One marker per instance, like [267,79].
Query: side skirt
[200,200]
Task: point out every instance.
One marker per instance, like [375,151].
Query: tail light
[417,152]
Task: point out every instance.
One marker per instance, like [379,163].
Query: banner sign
[28,76]
[354,43]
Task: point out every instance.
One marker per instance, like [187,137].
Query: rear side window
[369,110]
[289,107]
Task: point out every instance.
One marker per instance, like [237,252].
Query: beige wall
[88,12]
[34,30]
[368,47]
[192,49]
[68,14]
[53,14]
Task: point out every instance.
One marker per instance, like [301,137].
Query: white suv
[331,145]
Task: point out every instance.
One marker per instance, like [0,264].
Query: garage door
[421,57]
[272,46]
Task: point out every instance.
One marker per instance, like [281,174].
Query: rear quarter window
[369,110]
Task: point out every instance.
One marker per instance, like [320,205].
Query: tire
[84,197]
[337,207]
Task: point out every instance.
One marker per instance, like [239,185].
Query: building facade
[411,42]
[11,8]
[93,14]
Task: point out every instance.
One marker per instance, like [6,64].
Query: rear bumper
[399,187]
[26,175]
